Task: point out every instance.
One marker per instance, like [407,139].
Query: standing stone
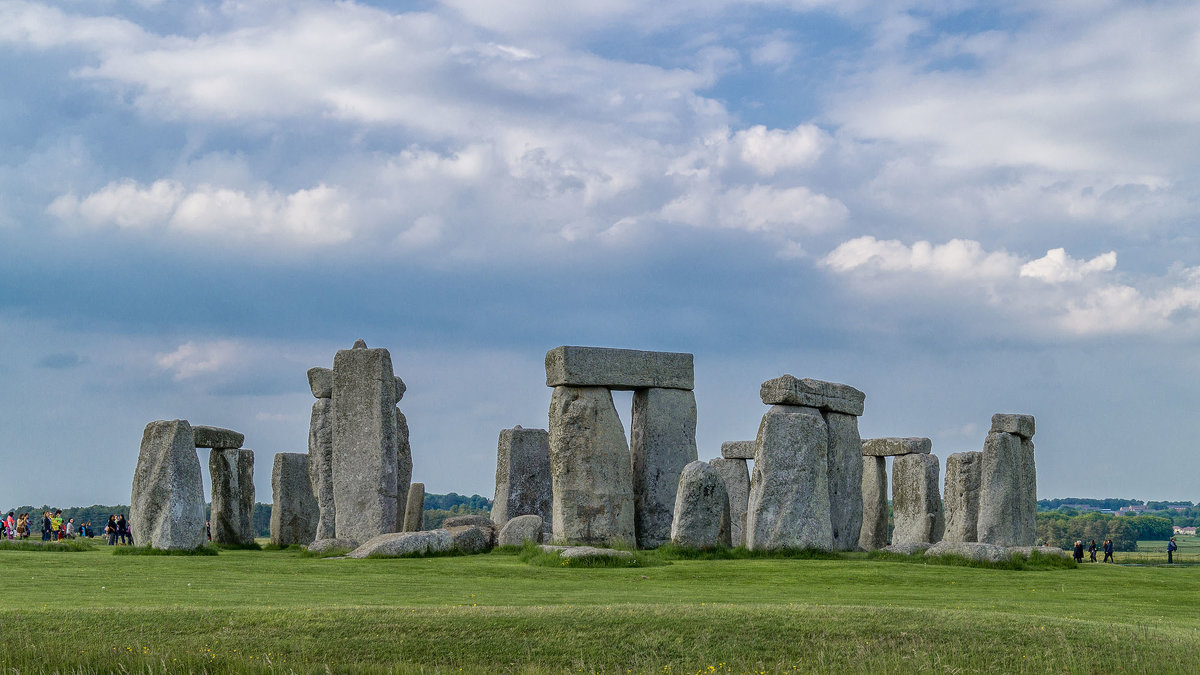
[294,509]
[523,484]
[232,475]
[320,464]
[961,495]
[520,529]
[845,480]
[701,509]
[916,500]
[875,504]
[166,508]
[1028,494]
[414,512]
[590,468]
[1006,516]
[404,466]
[736,475]
[789,490]
[662,441]
[364,443]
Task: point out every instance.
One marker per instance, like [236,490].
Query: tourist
[1078,551]
[70,529]
[10,525]
[110,530]
[1092,548]
[56,526]
[1108,551]
[23,526]
[123,530]
[46,526]
[1171,548]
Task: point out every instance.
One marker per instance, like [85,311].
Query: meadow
[279,611]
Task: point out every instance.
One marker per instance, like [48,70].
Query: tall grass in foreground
[147,550]
[64,546]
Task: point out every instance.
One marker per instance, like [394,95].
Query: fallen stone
[406,543]
[1021,425]
[578,552]
[824,396]
[662,441]
[620,369]
[738,449]
[519,530]
[961,496]
[916,500]
[472,538]
[735,473]
[323,545]
[523,484]
[167,503]
[404,466]
[217,438]
[590,468]
[789,490]
[365,443]
[414,512]
[701,509]
[971,551]
[896,447]
[232,475]
[1001,512]
[294,510]
[845,480]
[320,465]
[873,535]
[1026,551]
[320,382]
[908,548]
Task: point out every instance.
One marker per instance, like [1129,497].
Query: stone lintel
[619,369]
[825,396]
[1021,425]
[217,438]
[320,381]
[738,449]
[896,447]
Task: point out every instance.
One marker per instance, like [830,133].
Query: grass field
[278,611]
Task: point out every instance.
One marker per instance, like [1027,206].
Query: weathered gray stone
[620,369]
[470,519]
[359,344]
[961,495]
[320,465]
[1001,509]
[320,382]
[971,551]
[662,440]
[916,500]
[579,552]
[472,538]
[873,535]
[519,530]
[166,508]
[789,489]
[908,548]
[217,438]
[589,467]
[845,480]
[825,396]
[1026,551]
[701,509]
[523,484]
[404,468]
[400,389]
[294,509]
[736,475]
[738,449]
[232,476]
[1027,494]
[1021,425]
[414,512]
[364,443]
[896,447]
[406,543]
[323,545]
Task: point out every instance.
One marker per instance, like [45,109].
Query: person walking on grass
[1171,548]
[1092,548]
[123,530]
[47,530]
[1078,551]
[110,530]
[10,525]
[1108,551]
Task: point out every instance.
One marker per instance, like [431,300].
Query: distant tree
[1123,534]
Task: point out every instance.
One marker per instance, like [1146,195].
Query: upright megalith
[232,474]
[590,471]
[736,475]
[961,496]
[916,500]
[320,462]
[662,441]
[523,483]
[414,511]
[294,510]
[167,503]
[365,443]
[1008,483]
[789,489]
[701,519]
[404,465]
[873,535]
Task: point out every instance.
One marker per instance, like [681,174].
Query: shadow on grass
[146,550]
[252,546]
[65,546]
[673,552]
[533,554]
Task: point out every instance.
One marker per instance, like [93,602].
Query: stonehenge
[414,511]
[874,533]
[701,519]
[916,500]
[166,508]
[232,474]
[1008,483]
[736,475]
[961,496]
[523,483]
[662,439]
[294,510]
[320,460]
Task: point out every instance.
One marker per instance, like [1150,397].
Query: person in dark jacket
[1078,551]
[123,530]
[46,527]
[110,530]
[1171,548]
[1108,551]
[1092,548]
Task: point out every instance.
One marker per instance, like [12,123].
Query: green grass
[249,546]
[277,611]
[146,550]
[64,546]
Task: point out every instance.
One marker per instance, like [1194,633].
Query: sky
[960,208]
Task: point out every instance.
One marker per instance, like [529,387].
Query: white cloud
[1057,267]
[197,358]
[768,151]
[957,259]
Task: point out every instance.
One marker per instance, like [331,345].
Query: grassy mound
[64,546]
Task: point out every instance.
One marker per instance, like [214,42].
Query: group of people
[54,528]
[1092,548]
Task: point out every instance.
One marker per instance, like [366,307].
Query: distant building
[1132,509]
[1185,530]
[1081,507]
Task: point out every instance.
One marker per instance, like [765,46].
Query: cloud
[191,359]
[957,259]
[768,151]
[1057,267]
